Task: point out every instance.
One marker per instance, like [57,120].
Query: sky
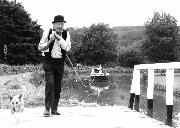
[84,13]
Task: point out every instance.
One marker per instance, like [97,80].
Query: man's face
[58,26]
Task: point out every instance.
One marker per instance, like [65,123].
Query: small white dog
[17,106]
[17,102]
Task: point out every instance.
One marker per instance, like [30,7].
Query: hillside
[128,35]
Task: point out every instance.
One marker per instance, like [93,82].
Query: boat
[99,74]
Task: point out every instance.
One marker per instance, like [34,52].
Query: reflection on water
[115,91]
[118,94]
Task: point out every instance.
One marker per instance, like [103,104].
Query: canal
[118,90]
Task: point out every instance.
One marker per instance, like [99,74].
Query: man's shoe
[47,112]
[55,112]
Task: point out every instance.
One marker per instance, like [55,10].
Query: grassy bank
[12,70]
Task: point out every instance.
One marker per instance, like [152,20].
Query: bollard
[150,91]
[169,95]
[137,90]
[132,92]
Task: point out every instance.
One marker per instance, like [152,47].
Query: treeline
[19,33]
[156,41]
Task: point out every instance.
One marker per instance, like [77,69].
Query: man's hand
[52,37]
[57,36]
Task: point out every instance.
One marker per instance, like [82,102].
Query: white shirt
[56,50]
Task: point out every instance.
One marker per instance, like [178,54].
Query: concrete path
[79,117]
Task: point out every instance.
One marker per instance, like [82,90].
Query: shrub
[130,58]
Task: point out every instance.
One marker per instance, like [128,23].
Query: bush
[130,58]
[21,54]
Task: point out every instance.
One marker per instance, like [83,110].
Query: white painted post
[169,95]
[133,86]
[132,91]
[150,91]
[137,89]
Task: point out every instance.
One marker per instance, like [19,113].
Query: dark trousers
[53,79]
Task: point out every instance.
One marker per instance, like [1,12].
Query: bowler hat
[59,18]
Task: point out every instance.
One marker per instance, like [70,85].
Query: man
[54,44]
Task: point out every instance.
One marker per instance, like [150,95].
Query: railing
[135,87]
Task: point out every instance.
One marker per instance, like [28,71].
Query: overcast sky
[79,13]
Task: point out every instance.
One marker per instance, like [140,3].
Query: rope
[75,70]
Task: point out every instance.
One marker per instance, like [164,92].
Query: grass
[12,70]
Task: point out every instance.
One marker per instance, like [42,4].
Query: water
[118,94]
[115,92]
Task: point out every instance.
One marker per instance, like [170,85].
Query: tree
[99,45]
[77,35]
[130,57]
[161,38]
[16,27]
